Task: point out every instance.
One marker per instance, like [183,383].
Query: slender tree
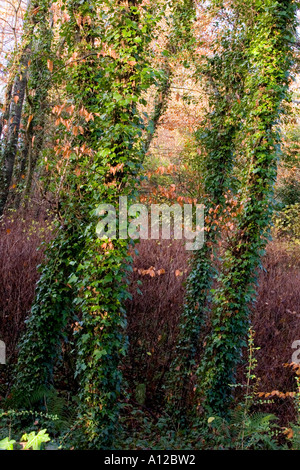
[35,37]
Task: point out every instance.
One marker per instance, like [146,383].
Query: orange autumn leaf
[50,65]
[161,271]
[35,10]
[289,433]
[30,119]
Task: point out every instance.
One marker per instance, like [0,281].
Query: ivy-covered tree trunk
[37,105]
[268,52]
[100,152]
[14,115]
[37,14]
[215,140]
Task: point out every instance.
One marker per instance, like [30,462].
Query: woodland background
[48,123]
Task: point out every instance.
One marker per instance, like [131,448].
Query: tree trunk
[13,127]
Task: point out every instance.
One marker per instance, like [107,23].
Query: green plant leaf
[7,444]
[34,441]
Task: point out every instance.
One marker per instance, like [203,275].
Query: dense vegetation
[140,343]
